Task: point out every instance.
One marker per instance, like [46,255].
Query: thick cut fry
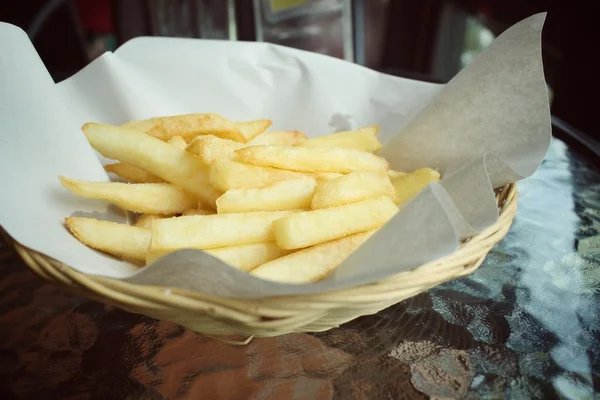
[356,186]
[145,220]
[411,184]
[364,139]
[313,263]
[196,211]
[395,174]
[228,174]
[210,148]
[159,158]
[312,159]
[308,228]
[251,129]
[177,141]
[117,239]
[131,173]
[188,126]
[278,138]
[285,195]
[212,231]
[245,257]
[150,198]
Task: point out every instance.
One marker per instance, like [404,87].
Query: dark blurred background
[421,39]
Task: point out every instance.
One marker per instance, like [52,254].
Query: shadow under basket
[223,317]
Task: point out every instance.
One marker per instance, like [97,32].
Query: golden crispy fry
[251,129]
[145,220]
[210,148]
[312,159]
[364,139]
[117,239]
[196,211]
[278,138]
[356,186]
[313,263]
[285,195]
[308,228]
[150,198]
[395,174]
[188,126]
[177,141]
[159,158]
[228,174]
[245,257]
[409,185]
[212,231]
[131,173]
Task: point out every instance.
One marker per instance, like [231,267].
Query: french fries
[131,173]
[364,139]
[312,159]
[178,142]
[150,198]
[356,186]
[188,126]
[245,257]
[409,185]
[196,211]
[275,204]
[159,158]
[284,195]
[278,138]
[308,228]
[145,220]
[212,231]
[251,129]
[227,174]
[210,148]
[313,263]
[117,239]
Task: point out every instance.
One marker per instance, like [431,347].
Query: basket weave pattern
[218,317]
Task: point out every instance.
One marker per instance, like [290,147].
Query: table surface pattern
[525,325]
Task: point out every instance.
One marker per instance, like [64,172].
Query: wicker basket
[219,317]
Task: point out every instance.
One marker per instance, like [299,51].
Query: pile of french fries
[273,203]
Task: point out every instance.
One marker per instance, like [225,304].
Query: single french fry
[364,139]
[395,174]
[145,220]
[285,195]
[251,129]
[188,126]
[409,185]
[178,142]
[196,211]
[117,239]
[308,228]
[312,159]
[153,155]
[278,138]
[353,187]
[210,148]
[131,173]
[228,174]
[313,263]
[150,198]
[212,231]
[245,257]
